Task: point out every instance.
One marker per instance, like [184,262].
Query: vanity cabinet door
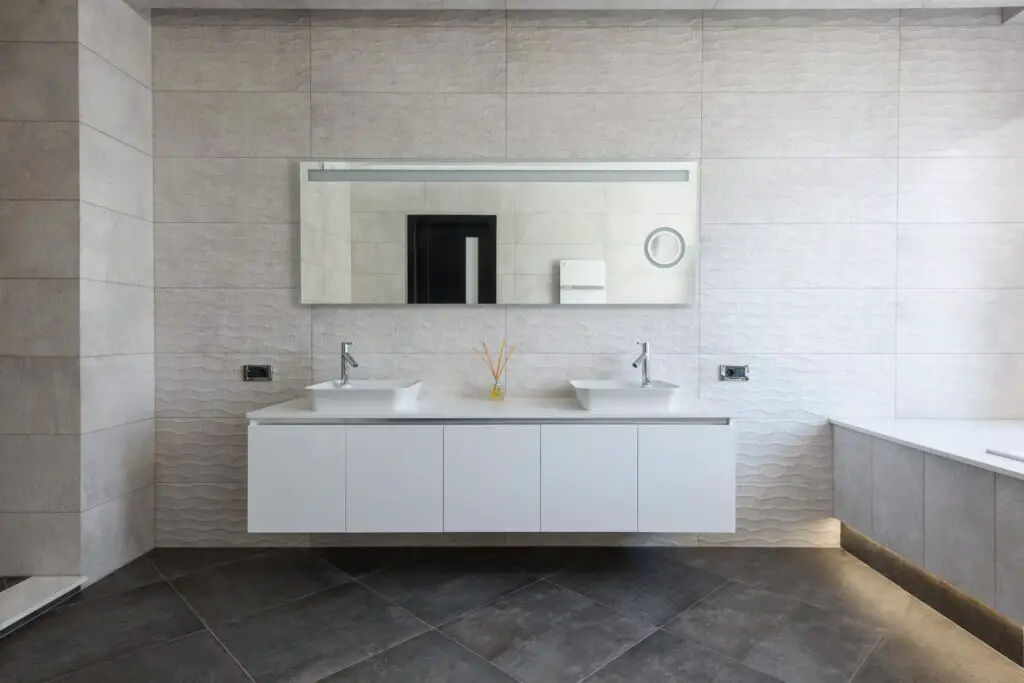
[588,478]
[296,478]
[492,478]
[687,479]
[395,478]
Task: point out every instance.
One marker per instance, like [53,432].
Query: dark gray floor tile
[359,562]
[647,584]
[546,634]
[447,585]
[663,658]
[734,619]
[814,646]
[729,563]
[228,592]
[543,560]
[317,636]
[194,659]
[175,562]
[81,635]
[430,658]
[139,573]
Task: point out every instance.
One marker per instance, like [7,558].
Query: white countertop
[463,410]
[963,440]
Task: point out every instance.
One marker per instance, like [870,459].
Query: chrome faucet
[346,361]
[643,361]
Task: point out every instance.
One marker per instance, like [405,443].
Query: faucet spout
[347,361]
[643,361]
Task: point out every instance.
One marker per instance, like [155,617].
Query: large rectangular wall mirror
[505,233]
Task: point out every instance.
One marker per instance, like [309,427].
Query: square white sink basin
[365,394]
[623,396]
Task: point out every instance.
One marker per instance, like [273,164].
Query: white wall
[862,220]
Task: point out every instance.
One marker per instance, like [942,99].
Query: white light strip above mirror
[492,175]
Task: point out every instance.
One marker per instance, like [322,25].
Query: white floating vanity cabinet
[491,477]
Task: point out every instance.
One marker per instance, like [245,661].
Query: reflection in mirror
[511,233]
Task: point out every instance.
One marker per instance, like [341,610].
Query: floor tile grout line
[216,565]
[124,656]
[207,626]
[867,656]
[618,656]
[713,591]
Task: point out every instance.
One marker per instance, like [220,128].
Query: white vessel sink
[365,394]
[620,395]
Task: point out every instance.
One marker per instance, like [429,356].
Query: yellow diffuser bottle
[497,367]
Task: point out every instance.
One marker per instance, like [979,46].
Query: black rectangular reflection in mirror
[453,259]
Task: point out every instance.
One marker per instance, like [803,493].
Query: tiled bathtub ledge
[962,440]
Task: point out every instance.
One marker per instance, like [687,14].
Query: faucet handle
[346,345]
[642,343]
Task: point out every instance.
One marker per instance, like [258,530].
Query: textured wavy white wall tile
[962,58]
[414,329]
[780,514]
[602,330]
[114,247]
[598,18]
[798,256]
[116,390]
[231,58]
[961,321]
[462,59]
[798,321]
[604,60]
[747,125]
[815,18]
[981,16]
[226,190]
[784,451]
[212,386]
[113,102]
[960,386]
[808,387]
[115,175]
[951,124]
[209,515]
[408,125]
[798,190]
[231,321]
[201,450]
[801,59]
[227,255]
[967,255]
[232,124]
[549,374]
[426,16]
[462,374]
[961,190]
[614,127]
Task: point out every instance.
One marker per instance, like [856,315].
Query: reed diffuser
[496,366]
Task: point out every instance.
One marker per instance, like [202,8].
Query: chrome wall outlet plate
[733,373]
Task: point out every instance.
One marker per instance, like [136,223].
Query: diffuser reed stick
[497,366]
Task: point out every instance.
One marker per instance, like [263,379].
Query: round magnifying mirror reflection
[664,247]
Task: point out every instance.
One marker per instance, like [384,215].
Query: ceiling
[575,4]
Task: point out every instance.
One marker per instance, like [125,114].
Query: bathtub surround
[76,288]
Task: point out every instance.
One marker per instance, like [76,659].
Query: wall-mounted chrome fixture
[664,247]
[733,373]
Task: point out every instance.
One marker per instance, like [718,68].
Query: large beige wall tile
[113,102]
[767,18]
[201,386]
[226,190]
[115,318]
[960,386]
[961,191]
[116,390]
[801,59]
[961,256]
[227,255]
[115,247]
[231,321]
[39,21]
[115,462]
[978,16]
[413,329]
[779,451]
[798,256]
[961,321]
[201,450]
[41,396]
[38,81]
[604,60]
[229,17]
[798,321]
[962,58]
[602,18]
[240,124]
[39,239]
[41,160]
[42,317]
[788,386]
[459,59]
[799,191]
[40,474]
[116,532]
[614,127]
[945,124]
[470,13]
[800,125]
[409,126]
[119,34]
[39,543]
[231,58]
[115,175]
